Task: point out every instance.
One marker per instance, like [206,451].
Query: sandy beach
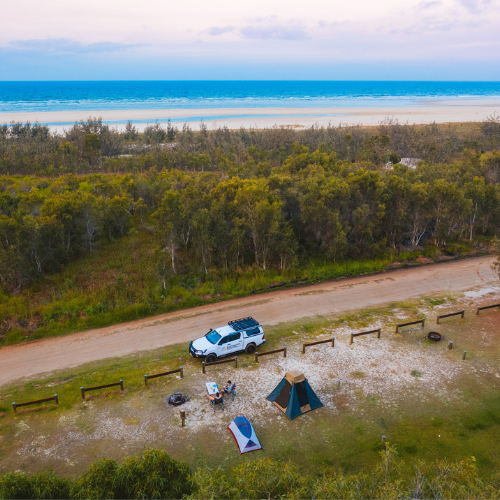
[422,112]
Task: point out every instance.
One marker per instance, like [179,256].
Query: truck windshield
[213,337]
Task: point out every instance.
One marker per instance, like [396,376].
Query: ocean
[116,95]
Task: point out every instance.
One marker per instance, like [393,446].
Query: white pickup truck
[240,335]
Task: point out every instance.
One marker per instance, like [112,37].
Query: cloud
[68,46]
[220,30]
[275,31]
[428,4]
[333,24]
[474,6]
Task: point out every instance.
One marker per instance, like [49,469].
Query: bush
[14,336]
[268,479]
[98,481]
[45,485]
[152,475]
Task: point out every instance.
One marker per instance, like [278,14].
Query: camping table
[212,388]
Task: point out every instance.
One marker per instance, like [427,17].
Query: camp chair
[231,392]
[217,403]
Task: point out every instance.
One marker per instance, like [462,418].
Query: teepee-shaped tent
[294,395]
[244,435]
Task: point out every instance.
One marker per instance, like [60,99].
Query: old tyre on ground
[211,358]
[250,349]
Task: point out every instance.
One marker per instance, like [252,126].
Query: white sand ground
[422,112]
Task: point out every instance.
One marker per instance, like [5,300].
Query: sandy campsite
[380,381]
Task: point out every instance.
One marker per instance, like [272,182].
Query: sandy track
[26,360]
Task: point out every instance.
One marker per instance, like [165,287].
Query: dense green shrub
[155,475]
[98,482]
[152,475]
[44,485]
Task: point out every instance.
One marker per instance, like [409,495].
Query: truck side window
[235,336]
[225,340]
[254,331]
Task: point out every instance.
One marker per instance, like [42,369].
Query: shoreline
[423,112]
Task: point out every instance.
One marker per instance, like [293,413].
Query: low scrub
[155,474]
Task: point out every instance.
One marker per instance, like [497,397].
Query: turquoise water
[111,95]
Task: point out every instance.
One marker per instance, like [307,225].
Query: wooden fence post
[83,392]
[182,372]
[333,341]
[121,384]
[14,407]
[477,312]
[423,322]
[203,366]
[236,361]
[378,334]
[57,399]
[183,418]
[450,345]
[352,339]
[284,352]
[145,379]
[397,327]
[464,355]
[437,322]
[256,357]
[463,313]
[303,347]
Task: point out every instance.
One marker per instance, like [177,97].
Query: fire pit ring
[177,399]
[435,336]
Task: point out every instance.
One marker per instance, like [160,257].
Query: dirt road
[26,360]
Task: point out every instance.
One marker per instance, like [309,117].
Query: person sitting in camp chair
[230,388]
[217,401]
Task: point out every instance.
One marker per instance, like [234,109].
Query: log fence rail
[147,377]
[377,331]
[83,390]
[307,344]
[400,325]
[459,313]
[487,307]
[257,354]
[220,362]
[55,398]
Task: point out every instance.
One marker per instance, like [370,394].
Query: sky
[258,39]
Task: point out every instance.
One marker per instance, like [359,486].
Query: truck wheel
[211,358]
[250,349]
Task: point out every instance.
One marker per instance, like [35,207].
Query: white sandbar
[423,112]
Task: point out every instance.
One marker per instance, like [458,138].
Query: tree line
[312,206]
[92,146]
[155,475]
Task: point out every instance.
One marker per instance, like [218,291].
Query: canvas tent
[294,395]
[244,435]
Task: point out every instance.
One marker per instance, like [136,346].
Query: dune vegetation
[99,226]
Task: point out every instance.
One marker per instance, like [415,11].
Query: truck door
[223,346]
[235,342]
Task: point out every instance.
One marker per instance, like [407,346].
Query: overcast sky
[257,39]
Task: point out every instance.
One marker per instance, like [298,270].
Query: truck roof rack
[243,323]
